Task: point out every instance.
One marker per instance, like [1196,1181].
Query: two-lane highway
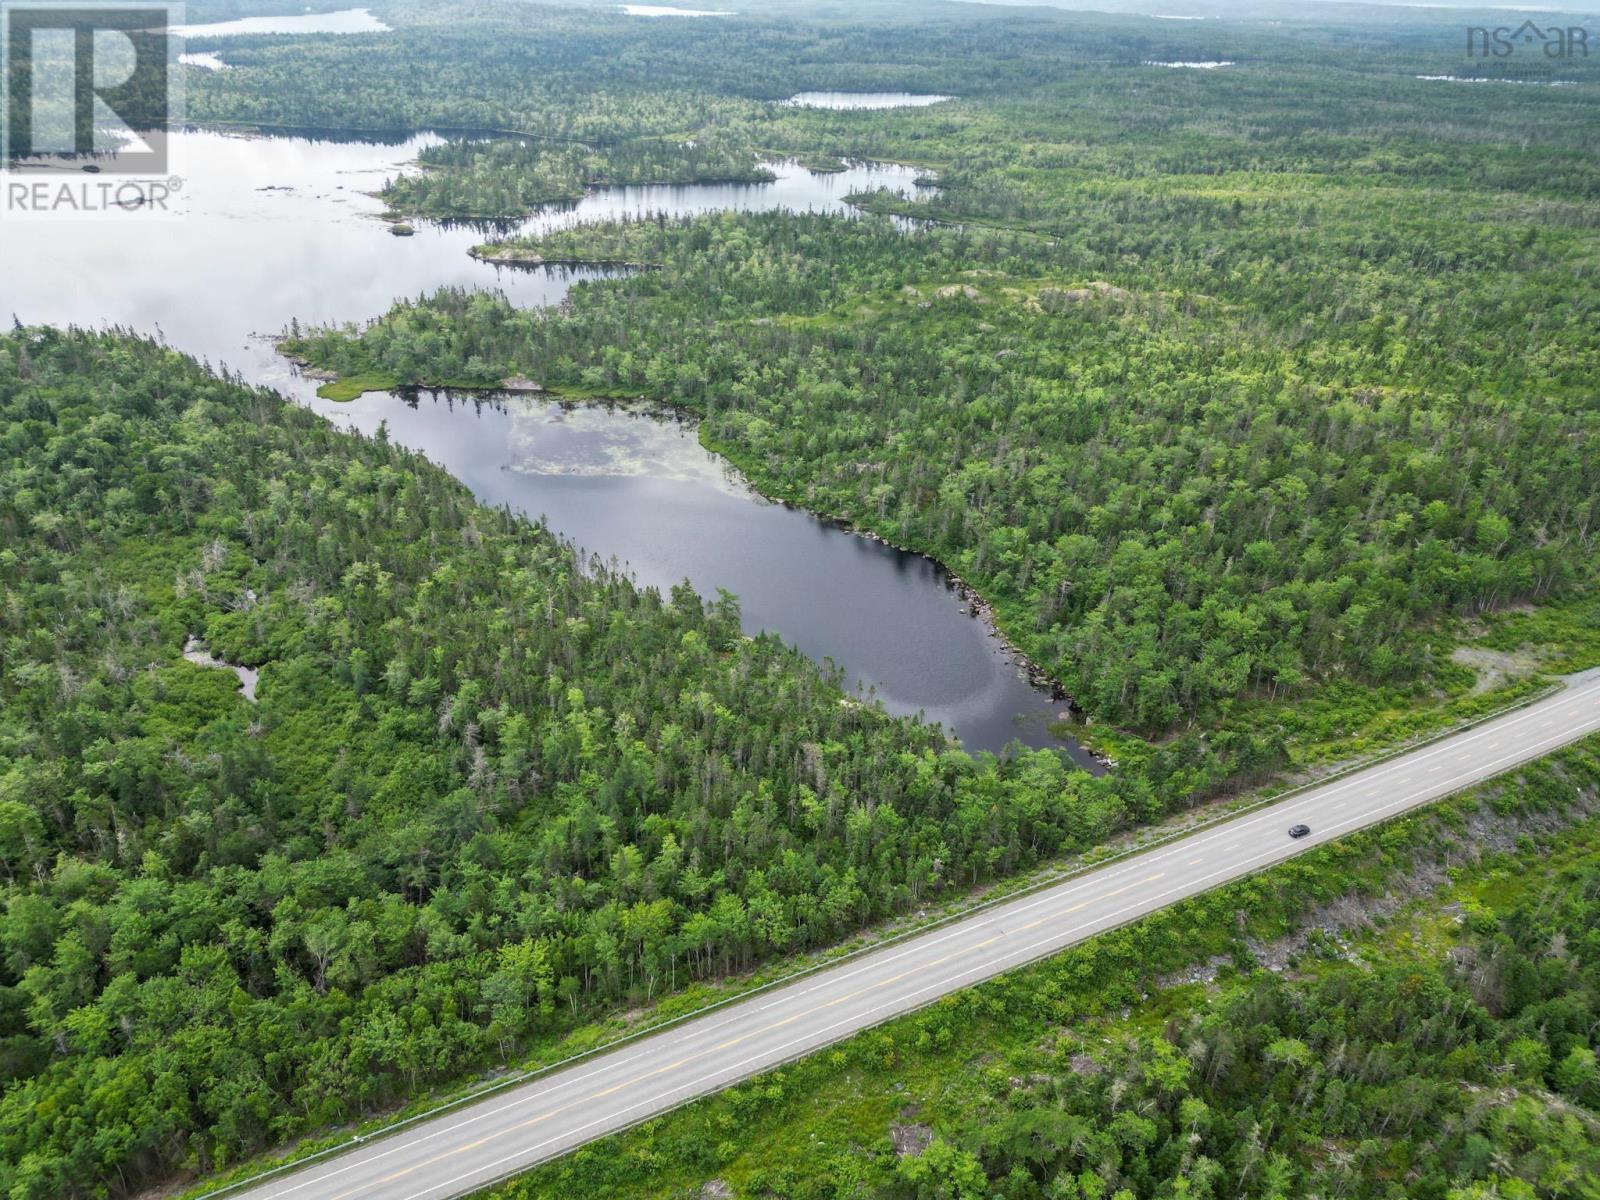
[512,1130]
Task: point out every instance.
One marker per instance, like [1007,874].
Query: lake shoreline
[504,255]
[533,208]
[976,605]
[655,499]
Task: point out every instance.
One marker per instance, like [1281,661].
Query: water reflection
[354,20]
[634,484]
[282,230]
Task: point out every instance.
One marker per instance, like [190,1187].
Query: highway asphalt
[501,1134]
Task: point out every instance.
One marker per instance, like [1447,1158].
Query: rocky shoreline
[514,257]
[304,366]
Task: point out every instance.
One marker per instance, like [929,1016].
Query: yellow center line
[638,1079]
[1086,903]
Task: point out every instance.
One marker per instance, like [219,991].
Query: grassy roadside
[598,1035]
[1403,892]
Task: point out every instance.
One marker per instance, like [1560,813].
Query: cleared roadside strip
[976,975]
[1578,705]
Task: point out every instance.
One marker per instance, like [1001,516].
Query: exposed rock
[1111,290]
[1205,972]
[310,371]
[1495,667]
[715,1189]
[520,383]
[511,253]
[910,1140]
[505,254]
[1055,298]
[1082,1064]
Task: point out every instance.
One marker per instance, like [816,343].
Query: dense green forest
[1047,100]
[1174,497]
[1218,384]
[1310,1033]
[597,75]
[1228,388]
[494,179]
[485,787]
